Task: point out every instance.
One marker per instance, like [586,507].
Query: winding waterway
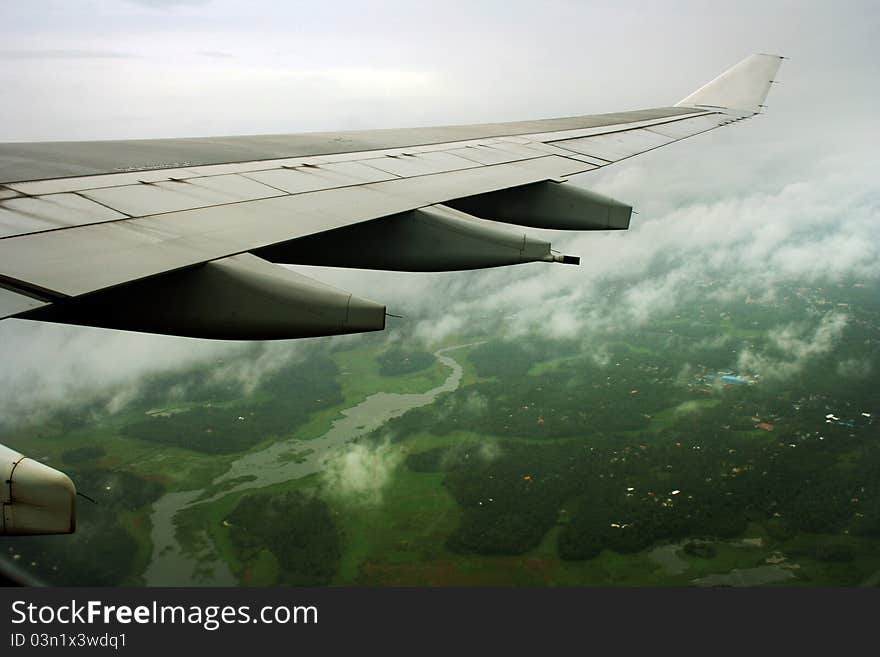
[172,566]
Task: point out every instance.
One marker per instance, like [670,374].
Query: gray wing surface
[184,236]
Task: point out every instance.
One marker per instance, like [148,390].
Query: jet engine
[35,498]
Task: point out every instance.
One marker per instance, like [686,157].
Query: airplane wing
[184,236]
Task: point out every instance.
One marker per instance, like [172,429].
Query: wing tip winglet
[742,88]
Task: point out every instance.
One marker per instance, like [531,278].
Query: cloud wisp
[360,473]
[792,346]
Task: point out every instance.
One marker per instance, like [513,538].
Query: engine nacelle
[549,205]
[432,238]
[237,298]
[35,498]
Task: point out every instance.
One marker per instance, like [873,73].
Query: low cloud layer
[692,240]
[46,366]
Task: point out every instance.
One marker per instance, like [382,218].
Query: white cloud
[435,330]
[794,346]
[360,472]
[256,363]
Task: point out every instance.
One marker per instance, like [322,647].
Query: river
[172,566]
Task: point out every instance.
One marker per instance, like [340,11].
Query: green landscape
[730,443]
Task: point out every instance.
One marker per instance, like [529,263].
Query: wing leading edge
[182,236]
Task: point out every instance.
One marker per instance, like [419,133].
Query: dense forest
[627,494]
[297,529]
[646,446]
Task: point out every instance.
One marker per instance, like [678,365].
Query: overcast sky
[87,69]
[791,194]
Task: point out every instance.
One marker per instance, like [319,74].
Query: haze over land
[734,442]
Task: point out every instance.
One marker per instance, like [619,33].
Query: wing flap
[13,303]
[615,146]
[141,200]
[688,127]
[26,214]
[313,178]
[80,183]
